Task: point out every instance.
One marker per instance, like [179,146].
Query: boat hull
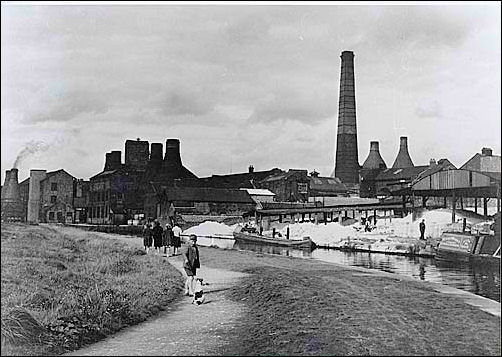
[257,239]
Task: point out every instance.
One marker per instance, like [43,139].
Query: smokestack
[156,154]
[6,182]
[113,160]
[374,159]
[172,159]
[346,162]
[34,195]
[11,204]
[403,158]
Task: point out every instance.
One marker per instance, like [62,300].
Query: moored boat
[241,235]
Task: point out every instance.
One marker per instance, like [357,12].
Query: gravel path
[183,328]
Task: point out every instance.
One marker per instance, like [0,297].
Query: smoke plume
[30,148]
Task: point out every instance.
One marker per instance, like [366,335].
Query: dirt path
[183,328]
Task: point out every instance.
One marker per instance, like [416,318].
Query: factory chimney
[346,161]
[374,159]
[403,158]
[172,159]
[11,205]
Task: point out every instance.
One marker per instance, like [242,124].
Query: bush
[19,327]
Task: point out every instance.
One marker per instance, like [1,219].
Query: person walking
[422,229]
[167,239]
[191,263]
[176,238]
[147,236]
[157,237]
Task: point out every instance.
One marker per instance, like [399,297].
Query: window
[302,187]
[53,199]
[51,216]
[54,186]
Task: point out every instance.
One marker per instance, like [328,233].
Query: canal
[478,276]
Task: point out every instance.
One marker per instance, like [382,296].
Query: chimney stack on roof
[113,160]
[251,169]
[486,152]
[403,158]
[374,159]
[432,162]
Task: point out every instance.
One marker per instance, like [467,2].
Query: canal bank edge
[488,305]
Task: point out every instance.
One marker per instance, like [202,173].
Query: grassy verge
[63,288]
[306,307]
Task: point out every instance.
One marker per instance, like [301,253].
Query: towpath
[183,328]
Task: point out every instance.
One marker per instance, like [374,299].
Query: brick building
[53,198]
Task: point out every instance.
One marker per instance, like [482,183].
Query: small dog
[198,296]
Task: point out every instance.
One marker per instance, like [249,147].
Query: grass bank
[63,288]
[307,307]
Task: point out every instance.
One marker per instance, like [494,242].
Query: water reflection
[477,275]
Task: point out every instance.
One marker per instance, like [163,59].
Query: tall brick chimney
[403,158]
[346,161]
[374,159]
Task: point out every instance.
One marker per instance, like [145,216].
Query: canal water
[480,276]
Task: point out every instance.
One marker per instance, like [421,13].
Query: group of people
[167,238]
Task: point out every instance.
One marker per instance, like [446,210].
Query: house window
[51,216]
[60,216]
[54,186]
[302,187]
[53,199]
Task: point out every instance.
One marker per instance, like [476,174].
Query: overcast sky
[241,85]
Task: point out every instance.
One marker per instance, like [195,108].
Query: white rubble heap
[396,235]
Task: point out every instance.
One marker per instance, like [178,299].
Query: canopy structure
[458,183]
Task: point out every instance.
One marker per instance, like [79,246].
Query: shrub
[18,326]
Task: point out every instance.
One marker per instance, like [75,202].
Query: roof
[479,162]
[258,192]
[202,194]
[47,175]
[327,184]
[407,173]
[285,175]
[104,173]
[241,180]
[285,205]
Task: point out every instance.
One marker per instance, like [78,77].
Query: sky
[243,85]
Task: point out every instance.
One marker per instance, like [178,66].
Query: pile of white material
[211,229]
[321,234]
[436,221]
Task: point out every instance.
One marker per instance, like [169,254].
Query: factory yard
[256,304]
